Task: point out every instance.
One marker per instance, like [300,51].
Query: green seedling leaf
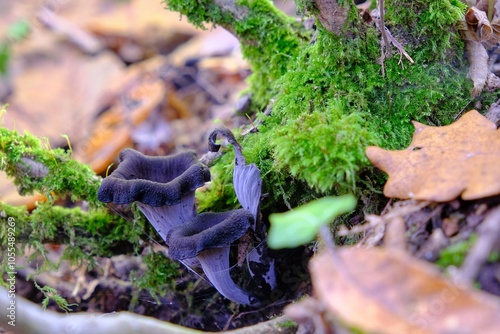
[301,225]
[19,30]
[4,57]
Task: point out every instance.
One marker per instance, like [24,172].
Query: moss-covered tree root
[331,97]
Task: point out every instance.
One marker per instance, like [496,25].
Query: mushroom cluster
[164,190]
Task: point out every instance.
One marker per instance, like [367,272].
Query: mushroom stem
[215,264]
[165,218]
[246,178]
[226,133]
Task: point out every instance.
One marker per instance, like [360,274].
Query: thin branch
[30,318]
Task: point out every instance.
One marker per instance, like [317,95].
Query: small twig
[387,207]
[208,158]
[254,126]
[488,237]
[81,38]
[398,45]
[387,38]
[383,29]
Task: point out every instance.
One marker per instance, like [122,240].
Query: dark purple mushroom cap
[155,181]
[208,231]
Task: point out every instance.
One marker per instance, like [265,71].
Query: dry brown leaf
[478,21]
[140,28]
[58,93]
[493,113]
[480,35]
[492,82]
[478,65]
[385,291]
[443,162]
[112,131]
[484,4]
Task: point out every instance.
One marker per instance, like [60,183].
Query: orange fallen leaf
[112,131]
[9,194]
[385,291]
[444,162]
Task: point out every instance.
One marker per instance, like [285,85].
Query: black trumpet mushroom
[209,237]
[248,188]
[162,187]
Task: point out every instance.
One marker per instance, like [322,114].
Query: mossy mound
[333,101]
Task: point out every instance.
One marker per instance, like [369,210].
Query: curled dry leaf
[478,65]
[112,131]
[385,291]
[444,162]
[480,35]
[478,22]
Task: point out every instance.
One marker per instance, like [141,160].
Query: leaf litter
[480,30]
[409,229]
[385,291]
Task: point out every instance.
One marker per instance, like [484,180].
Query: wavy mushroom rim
[137,179]
[208,237]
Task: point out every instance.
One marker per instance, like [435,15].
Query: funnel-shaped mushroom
[246,178]
[163,187]
[248,187]
[209,237]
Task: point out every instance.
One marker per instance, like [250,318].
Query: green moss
[89,233]
[331,150]
[332,102]
[287,324]
[426,26]
[220,196]
[49,294]
[269,42]
[65,176]
[160,276]
[494,256]
[454,255]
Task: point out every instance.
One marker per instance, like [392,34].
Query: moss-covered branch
[87,233]
[53,173]
[34,318]
[91,233]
